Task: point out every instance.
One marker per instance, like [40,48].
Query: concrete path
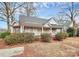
[11,51]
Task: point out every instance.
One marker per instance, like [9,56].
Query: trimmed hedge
[60,36]
[46,37]
[19,38]
[4,34]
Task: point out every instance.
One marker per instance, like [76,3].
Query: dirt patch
[2,43]
[73,41]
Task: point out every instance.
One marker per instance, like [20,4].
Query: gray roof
[32,21]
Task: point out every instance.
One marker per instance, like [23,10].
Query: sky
[44,10]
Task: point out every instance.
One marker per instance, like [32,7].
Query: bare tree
[7,10]
[30,9]
[72,12]
[61,20]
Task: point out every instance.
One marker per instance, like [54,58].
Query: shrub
[60,36]
[28,37]
[19,38]
[37,38]
[65,34]
[78,32]
[0,34]
[11,39]
[46,37]
[4,34]
[70,31]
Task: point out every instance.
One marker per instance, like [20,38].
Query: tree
[61,20]
[71,12]
[7,11]
[30,9]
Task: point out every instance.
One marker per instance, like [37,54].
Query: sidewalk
[11,51]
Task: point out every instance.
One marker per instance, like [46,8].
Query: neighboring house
[35,25]
[78,25]
[3,30]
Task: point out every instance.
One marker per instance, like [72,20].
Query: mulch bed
[4,45]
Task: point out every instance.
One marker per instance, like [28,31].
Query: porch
[35,30]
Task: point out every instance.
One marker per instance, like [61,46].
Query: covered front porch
[35,30]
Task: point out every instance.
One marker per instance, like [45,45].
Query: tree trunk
[8,27]
[75,28]
[8,24]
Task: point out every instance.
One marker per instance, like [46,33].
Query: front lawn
[66,48]
[54,49]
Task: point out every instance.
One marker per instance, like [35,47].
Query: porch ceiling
[56,26]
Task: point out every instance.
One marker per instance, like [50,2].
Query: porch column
[11,29]
[51,30]
[21,29]
[61,30]
[42,29]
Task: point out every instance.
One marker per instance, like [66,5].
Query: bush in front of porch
[70,31]
[45,37]
[19,38]
[60,36]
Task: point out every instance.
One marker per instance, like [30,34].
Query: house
[34,25]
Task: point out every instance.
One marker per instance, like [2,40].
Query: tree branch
[16,8]
[66,14]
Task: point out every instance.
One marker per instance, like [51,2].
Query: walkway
[11,51]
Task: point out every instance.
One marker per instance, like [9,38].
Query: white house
[34,25]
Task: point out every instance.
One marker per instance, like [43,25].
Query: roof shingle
[32,21]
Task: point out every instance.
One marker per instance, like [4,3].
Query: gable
[46,25]
[52,21]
